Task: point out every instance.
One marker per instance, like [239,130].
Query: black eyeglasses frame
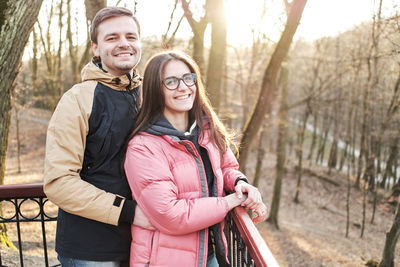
[179,80]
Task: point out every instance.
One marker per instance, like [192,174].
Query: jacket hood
[93,72]
[162,126]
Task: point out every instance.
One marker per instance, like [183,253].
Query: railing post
[17,210]
[41,204]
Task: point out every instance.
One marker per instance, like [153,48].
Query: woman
[178,164]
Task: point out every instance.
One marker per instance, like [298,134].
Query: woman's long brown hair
[153,104]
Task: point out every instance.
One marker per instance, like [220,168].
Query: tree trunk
[391,161]
[352,123]
[353,142]
[364,209]
[347,148]
[374,137]
[344,155]
[34,67]
[322,143]
[16,22]
[280,150]
[300,153]
[217,52]
[50,77]
[332,161]
[93,6]
[258,47]
[260,156]
[18,137]
[392,110]
[198,29]
[372,86]
[370,171]
[242,88]
[348,202]
[314,135]
[391,240]
[375,202]
[361,154]
[268,87]
[72,49]
[60,84]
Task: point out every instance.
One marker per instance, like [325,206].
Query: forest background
[322,102]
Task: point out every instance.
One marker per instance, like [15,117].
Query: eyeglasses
[171,83]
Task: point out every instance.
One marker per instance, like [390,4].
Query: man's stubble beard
[127,66]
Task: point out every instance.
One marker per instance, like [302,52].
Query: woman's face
[180,100]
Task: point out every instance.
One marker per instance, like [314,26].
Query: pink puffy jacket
[168,182]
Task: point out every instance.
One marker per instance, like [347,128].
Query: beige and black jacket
[83,174]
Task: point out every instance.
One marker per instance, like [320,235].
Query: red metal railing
[246,247]
[255,251]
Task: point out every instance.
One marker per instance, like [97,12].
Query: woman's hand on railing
[233,200]
[253,195]
[261,213]
[254,200]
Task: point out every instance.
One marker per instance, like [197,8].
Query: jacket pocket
[142,246]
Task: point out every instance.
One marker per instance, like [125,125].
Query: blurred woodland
[332,102]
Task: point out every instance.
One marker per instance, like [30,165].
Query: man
[85,147]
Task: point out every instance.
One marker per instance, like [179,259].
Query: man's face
[118,45]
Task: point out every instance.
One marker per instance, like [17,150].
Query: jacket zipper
[203,234]
[151,245]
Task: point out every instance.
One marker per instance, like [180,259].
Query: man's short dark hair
[106,13]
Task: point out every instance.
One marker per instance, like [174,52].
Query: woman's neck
[179,121]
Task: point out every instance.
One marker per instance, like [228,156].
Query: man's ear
[95,49]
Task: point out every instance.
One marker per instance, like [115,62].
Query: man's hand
[253,201]
[141,220]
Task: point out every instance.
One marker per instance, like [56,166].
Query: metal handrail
[246,247]
[17,195]
[255,245]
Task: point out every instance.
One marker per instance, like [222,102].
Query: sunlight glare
[328,18]
[243,19]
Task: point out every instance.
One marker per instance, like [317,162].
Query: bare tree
[60,42]
[34,67]
[73,50]
[198,29]
[47,44]
[168,41]
[260,155]
[280,150]
[250,65]
[391,240]
[16,23]
[336,108]
[92,7]
[216,58]
[268,87]
[299,149]
[374,142]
